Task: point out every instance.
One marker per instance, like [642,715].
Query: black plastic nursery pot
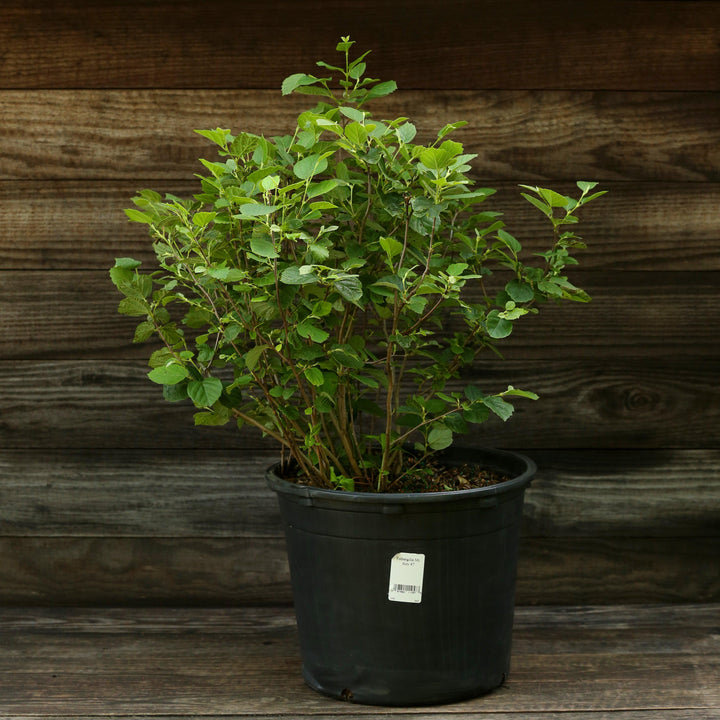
[406,599]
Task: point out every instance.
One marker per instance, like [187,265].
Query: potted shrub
[328,287]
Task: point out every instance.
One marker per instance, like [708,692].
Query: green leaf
[550,288]
[440,436]
[218,136]
[497,326]
[440,158]
[346,356]
[552,198]
[357,71]
[143,332]
[218,170]
[139,216]
[134,307]
[123,279]
[205,392]
[127,263]
[456,269]
[252,356]
[219,415]
[434,159]
[381,89]
[391,246]
[519,291]
[417,304]
[539,204]
[334,68]
[406,133]
[356,133]
[322,308]
[257,209]
[293,82]
[144,285]
[473,393]
[168,374]
[586,186]
[175,393]
[512,312]
[226,274]
[365,380]
[201,219]
[457,423]
[341,482]
[306,329]
[281,392]
[450,127]
[500,407]
[232,331]
[160,357]
[322,205]
[319,251]
[520,393]
[263,247]
[293,275]
[350,287]
[509,241]
[353,114]
[476,414]
[594,196]
[323,187]
[309,166]
[314,376]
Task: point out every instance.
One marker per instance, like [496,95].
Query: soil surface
[430,476]
[439,478]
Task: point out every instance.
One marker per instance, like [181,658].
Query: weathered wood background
[110,496]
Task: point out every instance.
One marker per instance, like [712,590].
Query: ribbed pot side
[406,599]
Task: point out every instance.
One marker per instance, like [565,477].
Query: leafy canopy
[327,287]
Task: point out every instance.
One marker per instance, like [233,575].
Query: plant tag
[406,577]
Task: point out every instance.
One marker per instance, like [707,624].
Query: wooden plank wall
[110,496]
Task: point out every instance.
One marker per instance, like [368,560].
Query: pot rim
[518,482]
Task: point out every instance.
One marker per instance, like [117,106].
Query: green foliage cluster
[328,286]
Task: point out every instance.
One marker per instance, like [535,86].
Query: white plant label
[406,577]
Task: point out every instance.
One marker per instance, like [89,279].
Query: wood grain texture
[486,44]
[76,225]
[618,570]
[664,714]
[152,571]
[147,135]
[110,495]
[694,714]
[102,571]
[164,494]
[73,315]
[644,662]
[135,493]
[610,404]
[630,493]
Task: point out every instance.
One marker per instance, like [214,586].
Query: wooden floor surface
[569,663]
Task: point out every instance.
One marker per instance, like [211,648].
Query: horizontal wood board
[201,571]
[627,404]
[73,315]
[464,44]
[147,135]
[74,225]
[649,663]
[152,528]
[104,494]
[161,493]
